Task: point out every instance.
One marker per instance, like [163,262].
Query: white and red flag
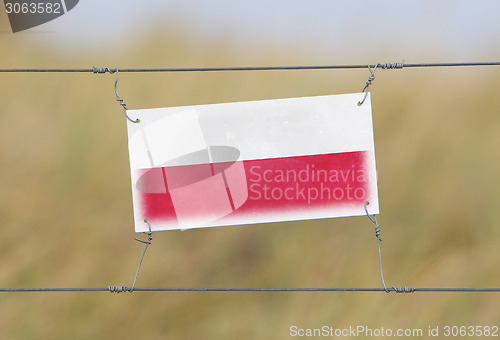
[252,162]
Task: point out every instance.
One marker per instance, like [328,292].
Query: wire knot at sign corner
[368,82]
[371,78]
[147,233]
[119,99]
[374,220]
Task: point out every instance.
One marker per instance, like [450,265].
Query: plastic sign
[252,162]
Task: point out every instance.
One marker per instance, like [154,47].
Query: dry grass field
[66,210]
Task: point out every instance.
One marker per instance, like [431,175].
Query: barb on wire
[377,235]
[118,289]
[102,70]
[392,66]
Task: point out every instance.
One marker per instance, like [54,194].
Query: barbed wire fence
[370,67]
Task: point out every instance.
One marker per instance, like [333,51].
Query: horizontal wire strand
[246,68]
[125,289]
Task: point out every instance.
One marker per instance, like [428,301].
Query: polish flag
[252,162]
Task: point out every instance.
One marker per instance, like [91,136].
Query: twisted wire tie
[391,66]
[118,289]
[368,83]
[385,66]
[102,70]
[122,289]
[403,289]
[147,243]
[379,239]
[119,100]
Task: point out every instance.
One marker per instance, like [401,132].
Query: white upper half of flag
[258,129]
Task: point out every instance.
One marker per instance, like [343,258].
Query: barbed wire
[398,65]
[121,289]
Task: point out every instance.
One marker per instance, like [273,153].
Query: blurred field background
[66,210]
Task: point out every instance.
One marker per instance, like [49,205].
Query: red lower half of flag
[253,191]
